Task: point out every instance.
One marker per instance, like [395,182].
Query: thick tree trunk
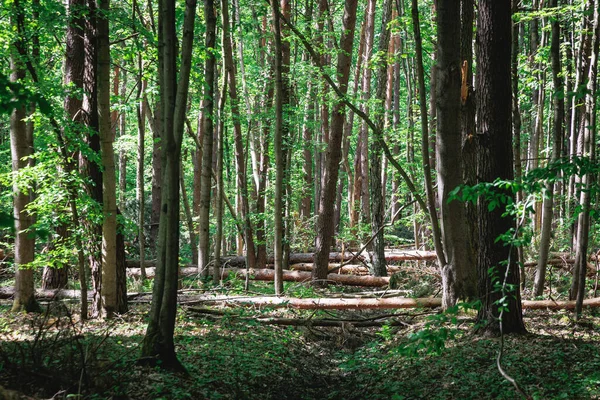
[109,199]
[498,271]
[21,148]
[325,224]
[459,276]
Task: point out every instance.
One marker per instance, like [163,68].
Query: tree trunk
[140,190]
[435,228]
[558,118]
[21,148]
[158,342]
[588,152]
[459,275]
[376,187]
[207,140]
[498,272]
[109,202]
[334,148]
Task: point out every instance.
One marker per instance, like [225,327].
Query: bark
[516,116]
[279,153]
[588,136]
[109,203]
[459,276]
[158,341]
[21,148]
[496,260]
[557,130]
[122,152]
[240,154]
[372,304]
[295,258]
[290,276]
[375,173]
[90,168]
[140,190]
[207,140]
[435,228]
[363,140]
[325,224]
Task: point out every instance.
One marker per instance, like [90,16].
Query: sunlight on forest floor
[229,354]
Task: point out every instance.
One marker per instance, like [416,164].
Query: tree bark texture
[21,148]
[459,277]
[325,225]
[496,259]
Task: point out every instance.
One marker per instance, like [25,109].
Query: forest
[320,199]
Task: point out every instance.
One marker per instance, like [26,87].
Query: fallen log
[368,303]
[308,258]
[269,275]
[45,294]
[351,269]
[321,303]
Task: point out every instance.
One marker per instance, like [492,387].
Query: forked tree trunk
[158,341]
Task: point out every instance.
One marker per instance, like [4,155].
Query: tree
[459,277]
[325,223]
[158,342]
[207,139]
[21,149]
[109,201]
[498,272]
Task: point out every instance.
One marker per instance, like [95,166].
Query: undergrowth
[230,354]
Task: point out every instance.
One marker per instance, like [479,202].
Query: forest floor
[230,353]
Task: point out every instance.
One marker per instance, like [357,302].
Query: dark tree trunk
[158,342]
[459,277]
[498,272]
[325,224]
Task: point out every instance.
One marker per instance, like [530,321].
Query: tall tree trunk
[459,276]
[91,168]
[207,140]
[240,154]
[435,228]
[109,185]
[497,266]
[366,95]
[21,148]
[516,116]
[588,146]
[375,170]
[558,119]
[140,190]
[279,154]
[334,154]
[158,342]
[122,152]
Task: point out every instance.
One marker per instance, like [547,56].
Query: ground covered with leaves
[235,354]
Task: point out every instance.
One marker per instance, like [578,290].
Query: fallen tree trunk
[368,303]
[351,269]
[45,294]
[321,303]
[290,276]
[308,258]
